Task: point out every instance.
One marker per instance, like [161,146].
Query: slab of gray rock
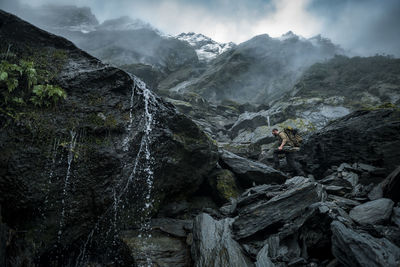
[297,180]
[360,249]
[249,171]
[262,258]
[249,120]
[373,212]
[160,248]
[213,244]
[344,203]
[276,211]
[391,233]
[351,177]
[376,192]
[177,228]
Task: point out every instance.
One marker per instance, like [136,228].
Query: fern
[23,82]
[47,95]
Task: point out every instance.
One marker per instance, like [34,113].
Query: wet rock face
[166,244]
[371,137]
[72,175]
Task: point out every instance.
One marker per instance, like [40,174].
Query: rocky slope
[260,69]
[364,136]
[327,91]
[116,176]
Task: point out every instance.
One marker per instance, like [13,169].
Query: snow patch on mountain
[206,48]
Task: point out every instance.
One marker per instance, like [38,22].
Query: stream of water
[71,154]
[137,185]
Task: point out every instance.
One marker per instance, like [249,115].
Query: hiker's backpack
[294,136]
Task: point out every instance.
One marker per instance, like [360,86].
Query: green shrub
[47,95]
[20,84]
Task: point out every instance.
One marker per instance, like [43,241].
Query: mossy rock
[224,185]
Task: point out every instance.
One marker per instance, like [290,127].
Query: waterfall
[140,174]
[51,166]
[126,139]
[70,158]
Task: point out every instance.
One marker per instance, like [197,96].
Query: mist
[362,27]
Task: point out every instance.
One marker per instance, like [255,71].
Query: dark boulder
[368,136]
[361,249]
[373,212]
[249,171]
[213,244]
[268,214]
[249,121]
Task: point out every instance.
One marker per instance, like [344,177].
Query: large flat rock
[213,244]
[249,171]
[373,212]
[361,249]
[276,211]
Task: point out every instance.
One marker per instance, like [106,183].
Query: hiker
[289,147]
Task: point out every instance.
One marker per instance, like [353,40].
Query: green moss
[224,185]
[300,124]
[110,122]
[387,105]
[95,99]
[101,120]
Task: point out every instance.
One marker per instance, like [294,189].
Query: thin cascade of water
[142,171]
[125,142]
[51,166]
[70,158]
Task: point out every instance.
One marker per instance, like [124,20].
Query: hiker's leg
[276,159]
[290,159]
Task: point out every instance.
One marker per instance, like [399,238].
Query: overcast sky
[364,26]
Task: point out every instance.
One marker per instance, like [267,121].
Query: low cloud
[364,27]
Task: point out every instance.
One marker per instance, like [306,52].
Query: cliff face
[74,174]
[369,136]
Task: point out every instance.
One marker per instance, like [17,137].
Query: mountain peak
[206,48]
[290,36]
[124,23]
